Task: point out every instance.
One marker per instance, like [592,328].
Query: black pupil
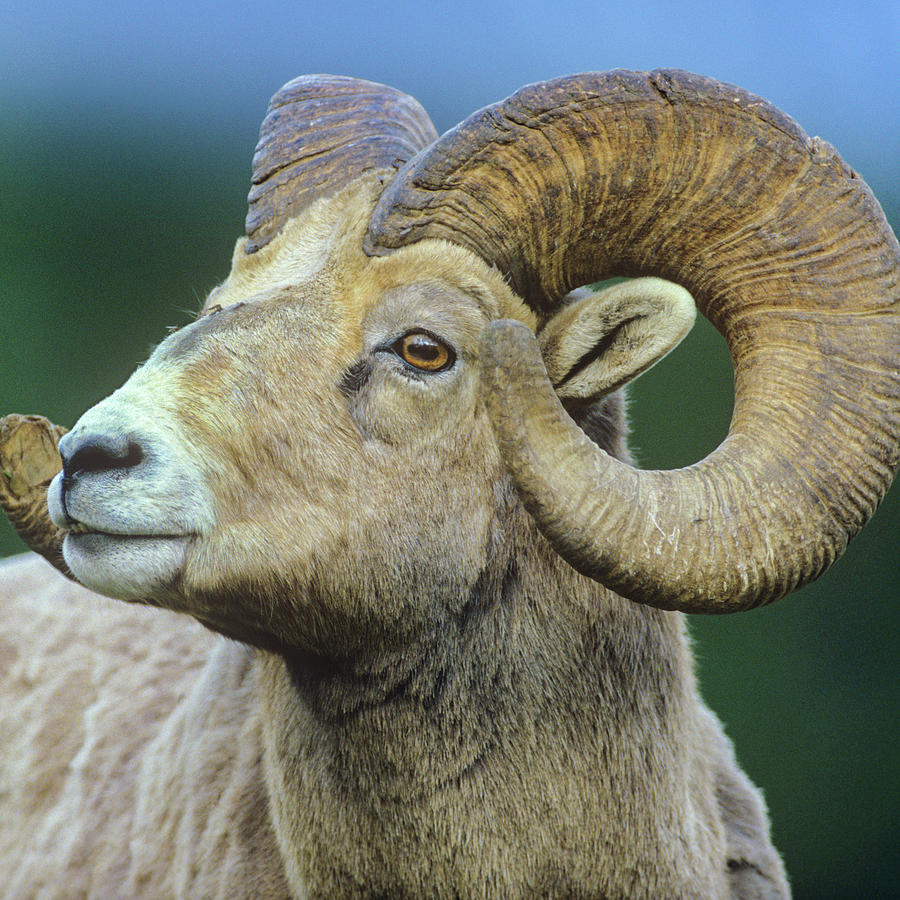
[423,348]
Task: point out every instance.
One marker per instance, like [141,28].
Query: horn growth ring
[784,249]
[322,132]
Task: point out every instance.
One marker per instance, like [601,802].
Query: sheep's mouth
[129,566]
[79,529]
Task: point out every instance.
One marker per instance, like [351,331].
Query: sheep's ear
[600,340]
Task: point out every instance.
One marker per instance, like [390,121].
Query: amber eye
[422,351]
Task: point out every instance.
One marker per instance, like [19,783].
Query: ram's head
[397,344]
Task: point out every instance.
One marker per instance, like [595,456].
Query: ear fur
[601,340]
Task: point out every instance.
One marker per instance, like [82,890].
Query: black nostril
[99,453]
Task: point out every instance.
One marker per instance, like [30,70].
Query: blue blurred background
[126,133]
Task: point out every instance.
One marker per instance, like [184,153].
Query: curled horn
[320,133]
[28,461]
[785,250]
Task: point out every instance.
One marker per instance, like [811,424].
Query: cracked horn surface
[320,133]
[28,461]
[784,249]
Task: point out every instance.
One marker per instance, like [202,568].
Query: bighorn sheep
[388,461]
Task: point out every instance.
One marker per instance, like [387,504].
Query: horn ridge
[784,249]
[464,172]
[320,133]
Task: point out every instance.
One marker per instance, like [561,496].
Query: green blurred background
[124,158]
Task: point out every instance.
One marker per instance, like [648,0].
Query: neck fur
[439,736]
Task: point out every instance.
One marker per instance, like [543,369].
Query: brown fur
[427,701]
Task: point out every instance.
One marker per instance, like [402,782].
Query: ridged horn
[320,133]
[28,461]
[784,249]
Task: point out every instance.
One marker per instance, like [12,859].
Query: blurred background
[126,133]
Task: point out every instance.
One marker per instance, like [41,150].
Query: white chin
[127,567]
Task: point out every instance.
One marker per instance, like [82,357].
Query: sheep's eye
[423,351]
